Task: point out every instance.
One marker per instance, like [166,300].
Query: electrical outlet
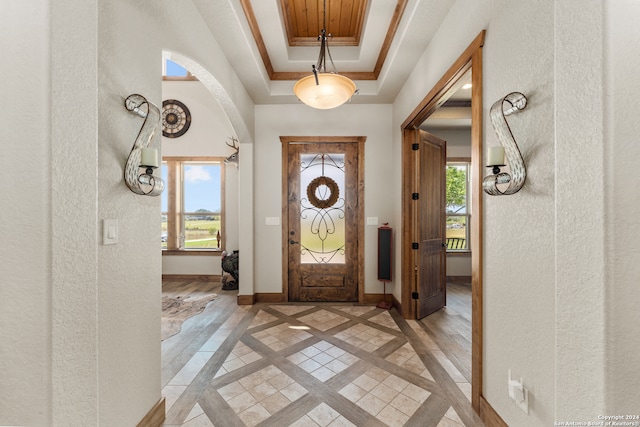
[272,220]
[518,393]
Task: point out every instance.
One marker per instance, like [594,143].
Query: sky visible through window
[165,178]
[174,70]
[201,188]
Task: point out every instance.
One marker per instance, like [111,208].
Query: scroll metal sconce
[516,102]
[141,155]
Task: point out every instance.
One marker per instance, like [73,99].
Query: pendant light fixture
[324,89]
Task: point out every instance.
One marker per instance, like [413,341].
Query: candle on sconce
[495,156]
[149,157]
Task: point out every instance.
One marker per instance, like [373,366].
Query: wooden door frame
[286,141]
[471,58]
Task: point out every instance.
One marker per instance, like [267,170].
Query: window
[173,71]
[457,205]
[193,203]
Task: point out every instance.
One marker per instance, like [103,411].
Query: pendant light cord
[324,14]
[321,66]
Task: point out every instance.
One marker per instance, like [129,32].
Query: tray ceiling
[273,43]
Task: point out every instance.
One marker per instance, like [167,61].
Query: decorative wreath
[334,192]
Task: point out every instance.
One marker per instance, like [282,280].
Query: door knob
[293,242]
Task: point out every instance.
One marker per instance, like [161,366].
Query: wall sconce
[496,155]
[141,155]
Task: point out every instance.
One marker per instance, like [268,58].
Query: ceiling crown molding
[288,9]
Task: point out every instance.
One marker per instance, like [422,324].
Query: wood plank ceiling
[304,19]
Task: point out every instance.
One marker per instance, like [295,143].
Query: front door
[323,220]
[431,227]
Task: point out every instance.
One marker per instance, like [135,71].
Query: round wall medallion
[329,185]
[176,118]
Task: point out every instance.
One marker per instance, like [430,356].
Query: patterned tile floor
[309,365]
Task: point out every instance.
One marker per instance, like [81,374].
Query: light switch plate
[109,231]
[372,220]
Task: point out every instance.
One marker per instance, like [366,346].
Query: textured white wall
[458,140]
[132,38]
[622,103]
[80,321]
[374,122]
[580,210]
[560,258]
[519,233]
[560,310]
[209,129]
[49,236]
[74,213]
[459,265]
[25,217]
[129,297]
[519,230]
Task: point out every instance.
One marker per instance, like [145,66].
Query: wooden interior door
[431,161]
[323,217]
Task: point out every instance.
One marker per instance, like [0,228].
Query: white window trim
[465,161]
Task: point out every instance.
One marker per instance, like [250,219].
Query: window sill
[192,252]
[459,253]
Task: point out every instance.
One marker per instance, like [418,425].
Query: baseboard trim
[271,298]
[274,298]
[246,299]
[489,415]
[459,280]
[193,277]
[377,298]
[155,417]
[397,304]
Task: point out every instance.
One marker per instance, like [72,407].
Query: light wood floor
[450,327]
[326,364]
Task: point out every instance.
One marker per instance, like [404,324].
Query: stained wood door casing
[431,227]
[470,59]
[322,280]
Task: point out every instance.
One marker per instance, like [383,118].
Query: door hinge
[415,295]
[415,245]
[415,146]
[415,196]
